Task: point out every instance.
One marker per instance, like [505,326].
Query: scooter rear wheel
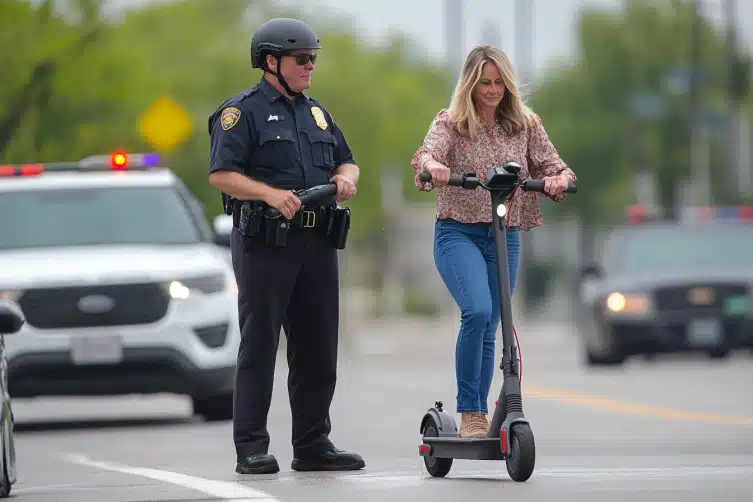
[522,458]
[437,467]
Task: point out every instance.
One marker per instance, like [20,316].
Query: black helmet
[280,35]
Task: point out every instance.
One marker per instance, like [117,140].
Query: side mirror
[11,317]
[588,279]
[223,226]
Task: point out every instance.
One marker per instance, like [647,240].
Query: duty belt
[308,218]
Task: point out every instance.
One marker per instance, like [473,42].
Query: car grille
[95,306]
[680,297]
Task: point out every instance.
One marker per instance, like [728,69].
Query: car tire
[215,408]
[612,358]
[719,353]
[599,346]
[5,485]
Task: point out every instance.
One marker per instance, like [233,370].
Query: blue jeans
[465,256]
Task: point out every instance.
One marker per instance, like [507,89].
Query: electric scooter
[510,437]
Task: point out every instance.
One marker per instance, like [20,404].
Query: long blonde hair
[512,112]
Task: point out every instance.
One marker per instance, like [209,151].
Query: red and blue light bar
[707,213]
[117,161]
[641,213]
[637,214]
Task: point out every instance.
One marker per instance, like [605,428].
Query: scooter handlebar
[538,186]
[456,180]
[309,196]
[471,182]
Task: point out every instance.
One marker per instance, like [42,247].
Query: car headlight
[628,303]
[182,289]
[9,294]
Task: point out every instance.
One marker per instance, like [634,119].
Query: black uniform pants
[297,287]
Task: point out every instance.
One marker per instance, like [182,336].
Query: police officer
[267,143]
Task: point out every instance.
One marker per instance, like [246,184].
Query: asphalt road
[671,428]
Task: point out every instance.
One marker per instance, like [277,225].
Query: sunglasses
[302,59]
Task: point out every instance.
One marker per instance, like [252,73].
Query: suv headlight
[628,303]
[182,289]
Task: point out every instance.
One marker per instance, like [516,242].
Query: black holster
[254,221]
[227,204]
[338,226]
[251,215]
[276,230]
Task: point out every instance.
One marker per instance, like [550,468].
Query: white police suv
[121,281]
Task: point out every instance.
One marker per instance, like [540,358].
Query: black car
[671,286]
[11,321]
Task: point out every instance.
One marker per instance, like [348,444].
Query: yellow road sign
[165,124]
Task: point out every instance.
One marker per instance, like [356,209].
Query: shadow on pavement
[83,424]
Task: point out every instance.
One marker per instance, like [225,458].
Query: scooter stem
[509,398]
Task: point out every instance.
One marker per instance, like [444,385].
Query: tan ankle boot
[472,425]
[485,422]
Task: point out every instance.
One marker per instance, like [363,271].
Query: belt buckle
[308,219]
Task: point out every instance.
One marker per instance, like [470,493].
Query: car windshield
[683,247]
[102,216]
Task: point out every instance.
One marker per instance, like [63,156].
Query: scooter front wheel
[522,457]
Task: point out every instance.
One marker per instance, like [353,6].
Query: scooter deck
[456,447]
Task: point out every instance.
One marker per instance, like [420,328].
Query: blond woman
[487,124]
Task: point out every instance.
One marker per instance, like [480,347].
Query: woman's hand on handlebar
[555,185]
[440,174]
[284,201]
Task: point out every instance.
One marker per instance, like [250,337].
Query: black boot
[257,463]
[331,460]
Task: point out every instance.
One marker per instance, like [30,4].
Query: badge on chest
[319,117]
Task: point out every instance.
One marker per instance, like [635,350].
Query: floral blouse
[532,149]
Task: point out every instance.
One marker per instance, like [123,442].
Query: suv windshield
[95,216]
[684,247]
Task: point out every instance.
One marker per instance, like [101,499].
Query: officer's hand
[346,189]
[284,201]
[440,174]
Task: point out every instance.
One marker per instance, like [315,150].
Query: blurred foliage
[76,83]
[416,304]
[585,107]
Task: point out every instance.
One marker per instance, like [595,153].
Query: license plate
[704,333]
[96,349]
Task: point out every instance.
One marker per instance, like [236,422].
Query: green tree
[587,106]
[196,52]
[43,43]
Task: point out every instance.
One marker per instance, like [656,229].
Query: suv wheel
[215,408]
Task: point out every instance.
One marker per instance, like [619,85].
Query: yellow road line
[625,407]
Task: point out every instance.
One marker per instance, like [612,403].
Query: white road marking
[46,488]
[225,490]
[577,474]
[386,480]
[576,470]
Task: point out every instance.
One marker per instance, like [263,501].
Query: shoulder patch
[229,117]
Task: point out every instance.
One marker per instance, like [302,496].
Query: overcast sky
[424,20]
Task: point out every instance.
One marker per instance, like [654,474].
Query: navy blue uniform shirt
[288,144]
